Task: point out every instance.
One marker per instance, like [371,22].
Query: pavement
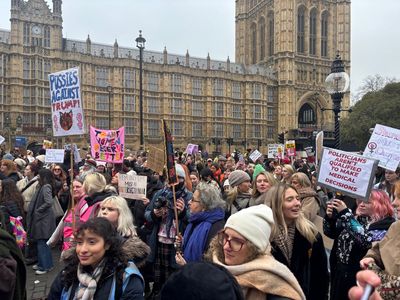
[38,286]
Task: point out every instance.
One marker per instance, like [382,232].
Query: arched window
[313,32]
[47,37]
[324,34]
[271,31]
[307,116]
[262,38]
[253,31]
[301,29]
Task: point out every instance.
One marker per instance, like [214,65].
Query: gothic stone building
[284,49]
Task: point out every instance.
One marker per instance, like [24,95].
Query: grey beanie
[237,177]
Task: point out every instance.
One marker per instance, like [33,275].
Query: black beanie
[201,281]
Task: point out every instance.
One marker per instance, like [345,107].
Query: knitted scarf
[265,276]
[285,241]
[196,233]
[88,282]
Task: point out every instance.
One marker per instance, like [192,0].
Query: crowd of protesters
[264,228]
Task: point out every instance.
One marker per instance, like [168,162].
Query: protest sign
[54,156]
[384,145]
[275,150]
[255,155]
[192,149]
[66,103]
[2,139]
[156,159]
[290,148]
[169,151]
[132,186]
[107,145]
[77,154]
[47,144]
[349,173]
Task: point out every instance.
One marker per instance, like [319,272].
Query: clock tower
[34,24]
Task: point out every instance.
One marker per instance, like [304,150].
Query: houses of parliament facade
[283,53]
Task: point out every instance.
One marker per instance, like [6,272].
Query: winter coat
[309,265]
[14,176]
[132,285]
[265,278]
[12,268]
[95,200]
[386,252]
[40,217]
[154,222]
[309,203]
[242,200]
[29,192]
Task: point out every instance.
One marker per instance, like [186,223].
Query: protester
[8,168]
[97,190]
[261,184]
[296,242]
[239,196]
[11,198]
[27,185]
[41,220]
[353,236]
[242,248]
[160,215]
[98,268]
[207,212]
[195,178]
[278,172]
[388,181]
[287,172]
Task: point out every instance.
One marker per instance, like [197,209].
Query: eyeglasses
[235,244]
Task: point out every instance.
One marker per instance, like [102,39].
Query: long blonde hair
[125,225]
[270,178]
[276,196]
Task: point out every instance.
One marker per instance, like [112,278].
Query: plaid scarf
[285,241]
[88,282]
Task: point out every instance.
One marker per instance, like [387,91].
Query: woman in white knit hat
[296,242]
[243,248]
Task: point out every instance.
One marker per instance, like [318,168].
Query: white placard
[384,145]
[54,156]
[319,144]
[2,139]
[255,155]
[275,150]
[347,172]
[132,186]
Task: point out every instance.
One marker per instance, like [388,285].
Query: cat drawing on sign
[66,120]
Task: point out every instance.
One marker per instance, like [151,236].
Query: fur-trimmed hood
[135,250]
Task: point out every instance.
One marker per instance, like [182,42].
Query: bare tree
[372,83]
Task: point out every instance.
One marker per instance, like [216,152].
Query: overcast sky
[208,26]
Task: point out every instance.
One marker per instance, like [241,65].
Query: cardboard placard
[132,186]
[350,173]
[384,145]
[319,144]
[54,156]
[156,159]
[66,103]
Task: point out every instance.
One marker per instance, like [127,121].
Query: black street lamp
[140,42]
[337,83]
[109,89]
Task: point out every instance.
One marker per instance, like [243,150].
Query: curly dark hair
[115,260]
[9,193]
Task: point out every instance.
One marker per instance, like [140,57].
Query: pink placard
[107,145]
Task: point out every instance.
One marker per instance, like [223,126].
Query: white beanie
[180,172]
[254,224]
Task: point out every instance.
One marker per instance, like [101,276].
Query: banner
[255,155]
[384,145]
[275,150]
[54,156]
[192,149]
[290,148]
[132,186]
[156,159]
[66,103]
[107,145]
[349,173]
[169,150]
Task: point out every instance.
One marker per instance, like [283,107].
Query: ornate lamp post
[337,83]
[140,43]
